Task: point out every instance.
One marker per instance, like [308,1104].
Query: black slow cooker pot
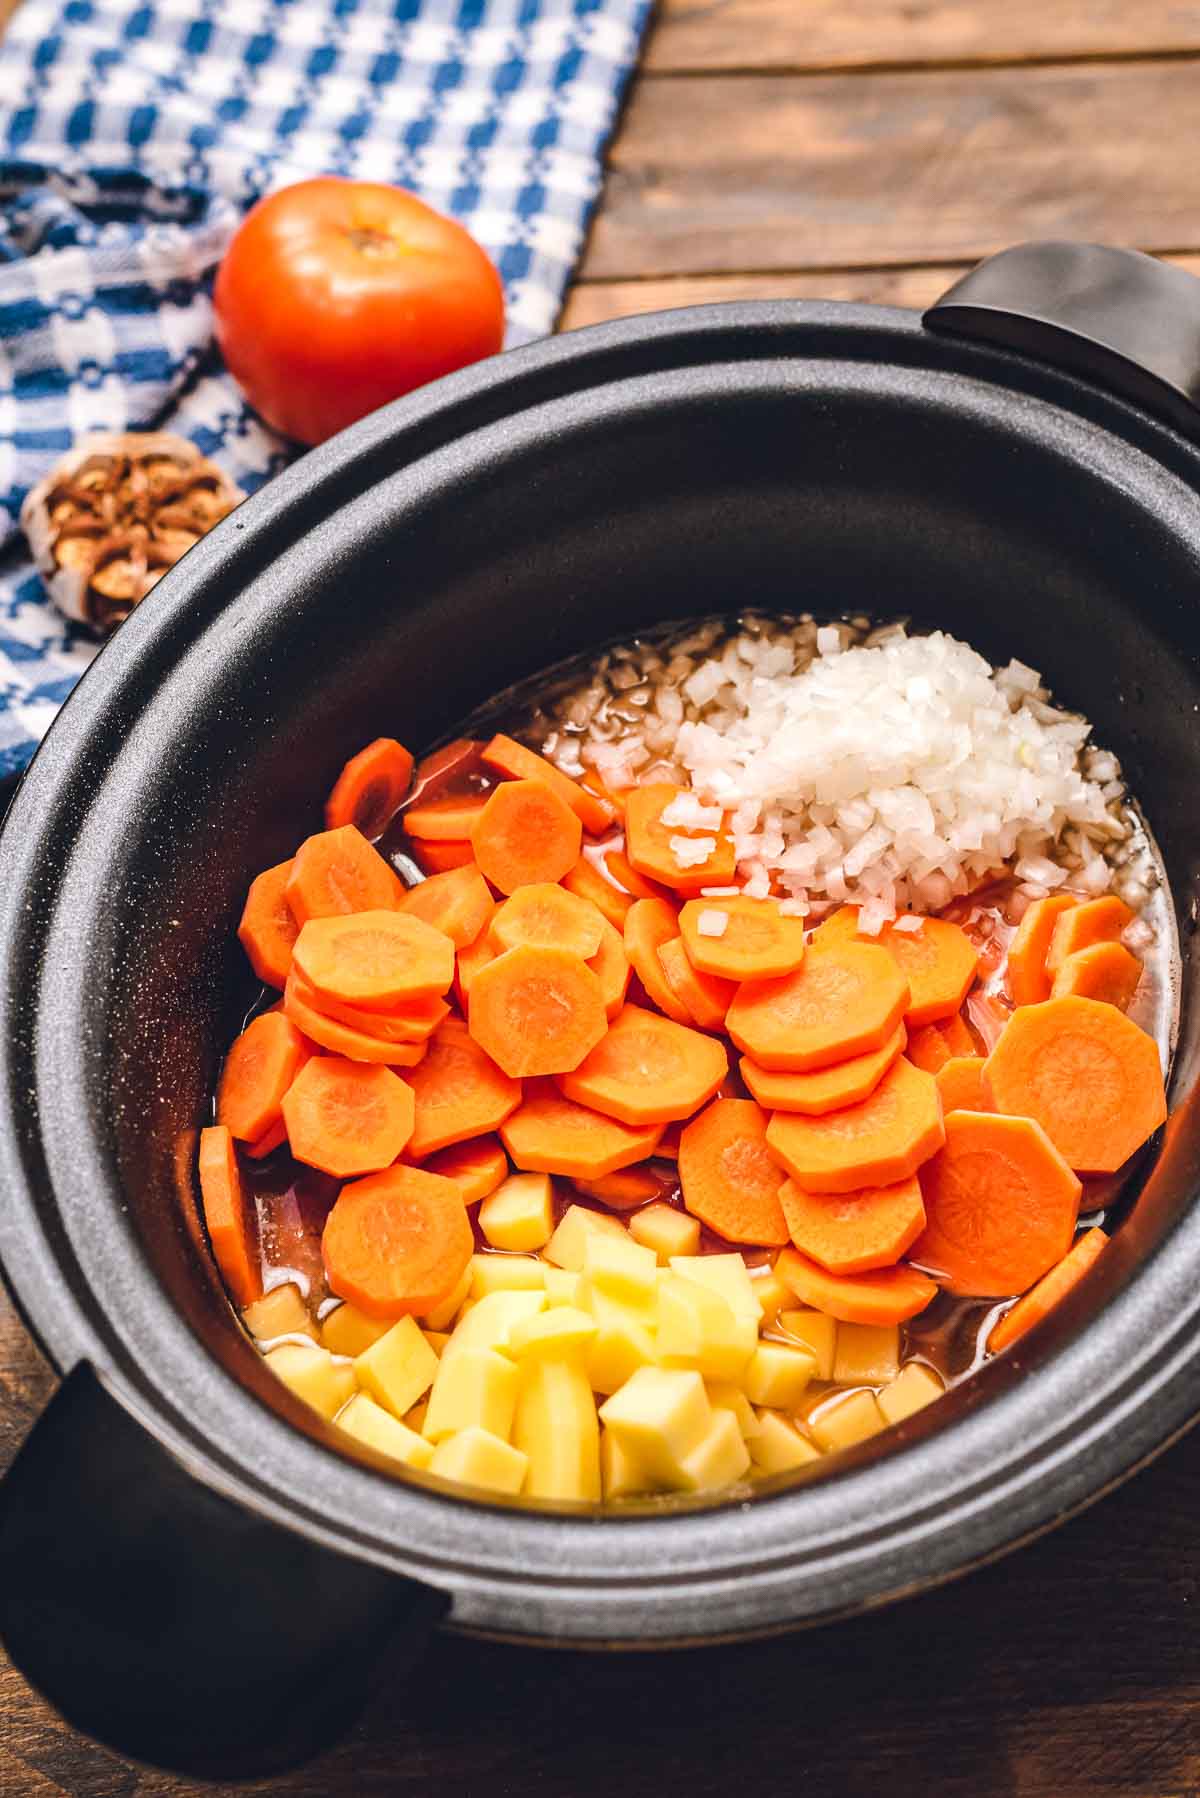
[193,1566]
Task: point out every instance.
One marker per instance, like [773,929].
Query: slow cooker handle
[1128,322]
[173,1625]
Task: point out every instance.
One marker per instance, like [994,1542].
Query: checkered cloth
[134,133]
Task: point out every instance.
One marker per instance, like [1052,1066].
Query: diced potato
[718,1459]
[397,1370]
[772,1295]
[474,1457]
[349,1331]
[844,1421]
[621,1269]
[562,1288]
[659,1416]
[565,1248]
[723,1395]
[519,1215]
[867,1354]
[370,1423]
[726,1275]
[476,1387]
[777,1374]
[555,1427]
[563,1330]
[281,1312]
[913,1388]
[696,1328]
[624,1341]
[815,1332]
[621,1473]
[443,1315]
[437,1339]
[313,1375]
[506,1273]
[779,1445]
[666,1230]
[489,1323]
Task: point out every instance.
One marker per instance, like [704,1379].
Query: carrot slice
[1001,1205]
[939,961]
[757,943]
[827,1089]
[439,858]
[370,787]
[854,1232]
[445,820]
[467,964]
[525,833]
[268,1142]
[345,1118]
[591,782]
[629,880]
[595,813]
[477,1167]
[960,1084]
[1050,1290]
[624,1190]
[338,871]
[878,1143]
[957,1035]
[537,1011]
[610,965]
[414,1023]
[459,1091]
[928,1048]
[887,1296]
[229,1215]
[668,1142]
[730,1180]
[547,1134]
[586,882]
[839,1003]
[1028,977]
[1105,971]
[268,930]
[1089,1076]
[397,1243]
[649,842]
[704,997]
[1095,921]
[648,1070]
[260,1066]
[341,1039]
[375,959]
[459,903]
[649,924]
[451,762]
[550,918]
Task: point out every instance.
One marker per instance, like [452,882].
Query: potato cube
[666,1230]
[771,1293]
[563,1330]
[397,1369]
[474,1457]
[624,1341]
[696,1328]
[577,1223]
[313,1375]
[281,1312]
[867,1354]
[726,1275]
[621,1269]
[437,1339]
[913,1388]
[718,1459]
[621,1473]
[659,1416]
[506,1273]
[555,1427]
[562,1288]
[779,1445]
[488,1323]
[815,1332]
[778,1375]
[519,1215]
[474,1387]
[349,1331]
[844,1421]
[723,1395]
[443,1315]
[370,1423]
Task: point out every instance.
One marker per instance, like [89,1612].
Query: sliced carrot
[341,1039]
[757,943]
[1104,971]
[537,1011]
[610,965]
[1001,1205]
[668,1142]
[928,1048]
[477,1167]
[649,924]
[549,918]
[268,1142]
[445,820]
[854,1232]
[459,1091]
[439,858]
[459,903]
[525,833]
[375,959]
[586,882]
[467,964]
[452,762]
[704,997]
[629,880]
[957,1035]
[648,1070]
[648,842]
[337,871]
[260,1066]
[592,783]
[1050,1290]
[960,1084]
[827,1089]
[939,961]
[548,1134]
[595,813]
[878,1143]
[624,1190]
[397,1243]
[839,1003]
[1028,977]
[229,1216]
[268,930]
[345,1118]
[370,788]
[1089,1076]
[729,1178]
[887,1296]
[1095,921]
[414,1023]
[841,926]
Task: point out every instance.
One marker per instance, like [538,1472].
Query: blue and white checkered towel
[134,133]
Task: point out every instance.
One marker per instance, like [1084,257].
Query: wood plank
[712,174]
[832,34]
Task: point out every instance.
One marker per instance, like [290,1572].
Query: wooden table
[856,149]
